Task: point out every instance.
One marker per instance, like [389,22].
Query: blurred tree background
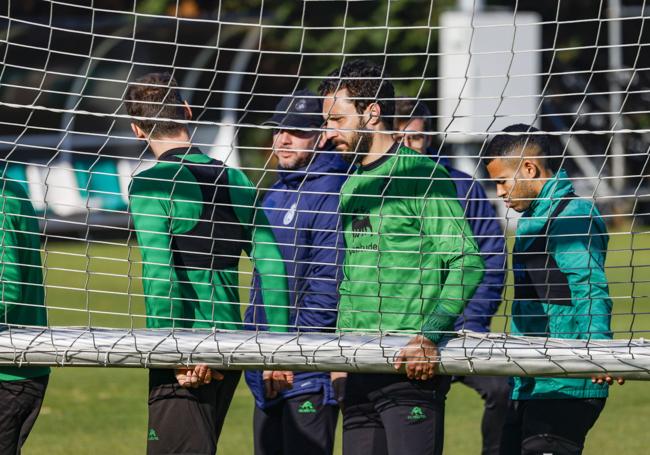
[294,44]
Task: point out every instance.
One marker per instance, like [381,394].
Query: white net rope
[130,279]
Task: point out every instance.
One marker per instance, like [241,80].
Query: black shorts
[495,392]
[391,415]
[187,421]
[295,426]
[558,427]
[21,403]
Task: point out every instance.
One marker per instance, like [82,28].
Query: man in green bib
[21,303]
[411,264]
[194,216]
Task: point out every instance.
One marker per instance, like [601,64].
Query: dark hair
[366,82]
[407,109]
[155,95]
[547,147]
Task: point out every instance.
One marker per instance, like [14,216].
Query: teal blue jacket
[577,241]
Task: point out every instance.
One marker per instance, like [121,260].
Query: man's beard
[297,163]
[525,197]
[359,147]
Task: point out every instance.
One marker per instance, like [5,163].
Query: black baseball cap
[303,109]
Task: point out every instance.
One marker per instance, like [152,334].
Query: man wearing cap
[297,413]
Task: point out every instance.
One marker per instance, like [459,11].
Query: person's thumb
[397,363]
[268,385]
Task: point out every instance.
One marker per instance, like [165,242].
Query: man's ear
[188,110]
[137,131]
[530,169]
[373,111]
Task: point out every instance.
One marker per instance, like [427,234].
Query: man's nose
[408,141]
[284,138]
[330,133]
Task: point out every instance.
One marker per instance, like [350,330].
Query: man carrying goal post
[194,216]
[297,413]
[22,302]
[411,264]
[561,290]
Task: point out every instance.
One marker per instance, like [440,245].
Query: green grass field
[103,410]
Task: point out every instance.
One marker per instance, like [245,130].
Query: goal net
[577,74]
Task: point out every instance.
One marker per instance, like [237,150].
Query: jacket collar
[534,218]
[385,157]
[555,188]
[434,153]
[167,156]
[323,163]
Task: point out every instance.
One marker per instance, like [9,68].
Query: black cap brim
[293,120]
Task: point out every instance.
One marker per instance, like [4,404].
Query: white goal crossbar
[468,354]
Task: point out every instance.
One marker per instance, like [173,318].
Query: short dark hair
[155,95]
[407,109]
[366,82]
[503,145]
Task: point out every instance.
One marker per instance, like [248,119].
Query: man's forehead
[502,163]
[339,94]
[339,99]
[415,125]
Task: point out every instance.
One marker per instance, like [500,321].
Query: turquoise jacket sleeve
[578,243]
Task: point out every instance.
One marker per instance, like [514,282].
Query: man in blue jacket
[297,413]
[413,119]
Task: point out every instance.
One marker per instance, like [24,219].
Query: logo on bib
[361,223]
[417,414]
[307,408]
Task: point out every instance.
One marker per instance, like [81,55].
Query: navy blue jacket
[482,218]
[302,208]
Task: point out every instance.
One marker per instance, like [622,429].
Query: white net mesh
[110,269]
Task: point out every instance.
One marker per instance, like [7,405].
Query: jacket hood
[327,162]
[434,153]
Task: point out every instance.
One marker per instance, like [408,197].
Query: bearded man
[411,264]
